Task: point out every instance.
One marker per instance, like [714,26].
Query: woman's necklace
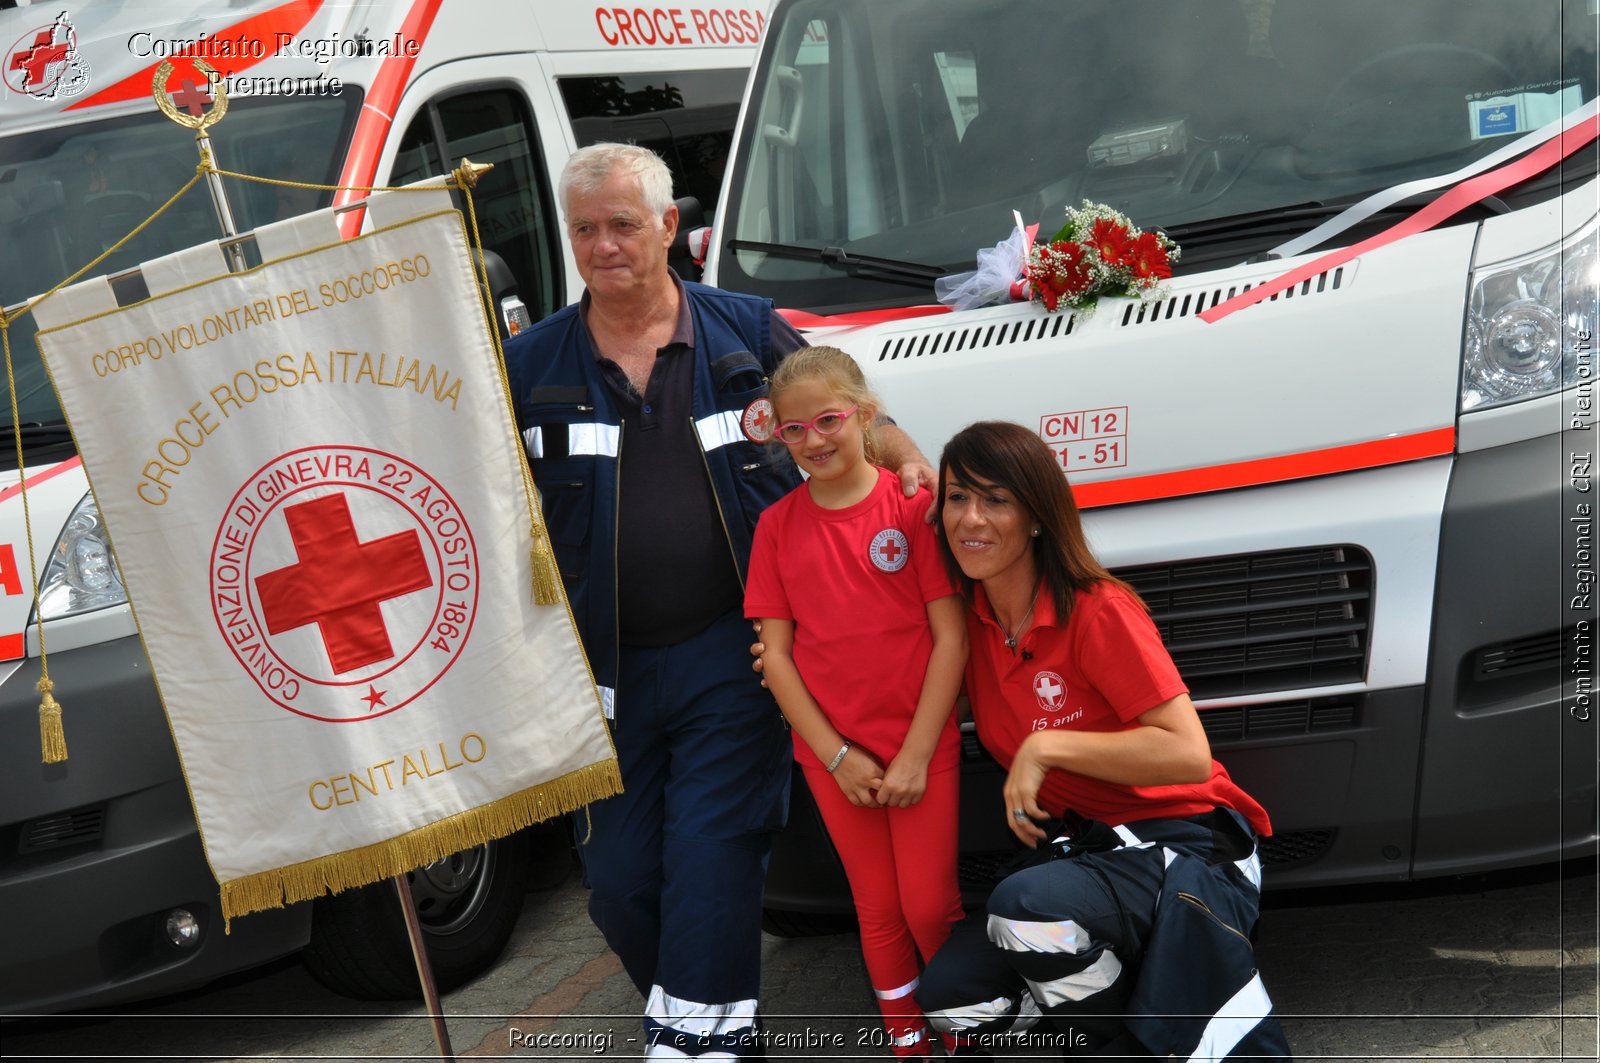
[1015,633]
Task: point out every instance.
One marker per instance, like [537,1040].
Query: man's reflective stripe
[720,429]
[592,438]
[608,702]
[697,1019]
[660,1051]
[1242,1013]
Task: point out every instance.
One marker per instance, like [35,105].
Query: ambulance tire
[467,904]
[784,924]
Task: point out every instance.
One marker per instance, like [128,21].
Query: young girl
[865,645]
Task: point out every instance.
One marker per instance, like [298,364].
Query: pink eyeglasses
[826,424]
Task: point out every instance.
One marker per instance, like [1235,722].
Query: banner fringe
[52,737]
[359,867]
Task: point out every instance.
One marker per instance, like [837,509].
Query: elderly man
[644,412]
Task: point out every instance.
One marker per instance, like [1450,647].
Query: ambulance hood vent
[1197,302]
[1034,328]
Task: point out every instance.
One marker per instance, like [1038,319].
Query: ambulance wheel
[784,924]
[467,905]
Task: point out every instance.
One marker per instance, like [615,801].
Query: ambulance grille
[1296,847]
[1532,653]
[1192,303]
[78,826]
[1034,328]
[1250,623]
[1242,722]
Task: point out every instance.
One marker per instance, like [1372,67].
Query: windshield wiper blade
[854,264]
[35,431]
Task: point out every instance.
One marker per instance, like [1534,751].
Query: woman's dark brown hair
[1002,454]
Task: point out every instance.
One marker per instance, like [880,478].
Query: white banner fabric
[318,503]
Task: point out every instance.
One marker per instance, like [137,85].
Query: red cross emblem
[758,421]
[34,60]
[340,581]
[344,580]
[192,98]
[1051,690]
[48,62]
[890,550]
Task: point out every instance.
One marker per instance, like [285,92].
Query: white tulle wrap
[998,278]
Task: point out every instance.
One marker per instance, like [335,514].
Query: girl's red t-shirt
[856,583]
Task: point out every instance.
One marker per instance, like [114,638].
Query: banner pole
[419,953]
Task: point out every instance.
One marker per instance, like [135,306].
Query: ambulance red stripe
[1349,458]
[1463,195]
[40,477]
[289,18]
[805,319]
[377,114]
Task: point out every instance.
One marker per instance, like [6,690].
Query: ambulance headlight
[82,572]
[1530,324]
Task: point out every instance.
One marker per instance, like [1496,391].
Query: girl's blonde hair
[839,372]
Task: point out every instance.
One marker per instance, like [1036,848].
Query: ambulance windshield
[70,192]
[909,130]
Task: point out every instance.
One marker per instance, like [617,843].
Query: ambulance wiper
[36,432]
[889,269]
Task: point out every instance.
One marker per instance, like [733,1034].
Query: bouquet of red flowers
[1097,252]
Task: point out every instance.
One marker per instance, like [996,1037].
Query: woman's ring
[1018,813]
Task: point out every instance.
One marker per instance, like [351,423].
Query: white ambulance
[104,892]
[1360,509]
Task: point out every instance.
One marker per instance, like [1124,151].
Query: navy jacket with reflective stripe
[572,433]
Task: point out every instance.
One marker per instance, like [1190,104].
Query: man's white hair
[591,167]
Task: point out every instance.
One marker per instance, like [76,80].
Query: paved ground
[1500,968]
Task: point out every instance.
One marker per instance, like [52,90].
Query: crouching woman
[1131,930]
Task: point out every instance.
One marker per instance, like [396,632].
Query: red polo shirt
[1100,672]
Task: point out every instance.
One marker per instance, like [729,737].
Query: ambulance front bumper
[98,851]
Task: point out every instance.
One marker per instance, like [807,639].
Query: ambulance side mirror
[511,314]
[680,256]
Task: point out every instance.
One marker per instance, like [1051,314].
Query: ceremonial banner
[317,499]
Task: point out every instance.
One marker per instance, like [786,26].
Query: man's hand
[915,474]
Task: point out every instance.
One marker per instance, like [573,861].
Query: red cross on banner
[340,581]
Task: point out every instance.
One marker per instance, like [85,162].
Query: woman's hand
[904,782]
[1022,789]
[858,775]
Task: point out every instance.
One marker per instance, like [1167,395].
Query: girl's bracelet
[838,758]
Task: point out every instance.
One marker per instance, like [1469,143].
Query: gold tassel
[546,580]
[52,739]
